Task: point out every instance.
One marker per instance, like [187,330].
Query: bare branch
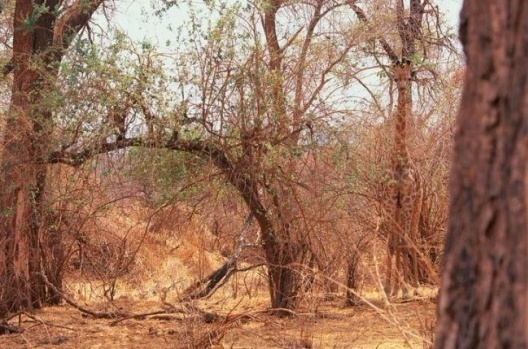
[73,20]
[76,159]
[220,276]
[95,314]
[363,18]
[323,80]
[301,65]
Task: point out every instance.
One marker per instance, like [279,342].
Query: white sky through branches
[137,18]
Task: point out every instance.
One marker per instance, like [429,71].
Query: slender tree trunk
[483,299]
[351,298]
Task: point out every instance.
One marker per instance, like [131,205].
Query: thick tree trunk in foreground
[483,299]
[23,175]
[41,36]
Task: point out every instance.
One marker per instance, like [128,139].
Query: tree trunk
[280,251]
[39,41]
[280,255]
[23,173]
[283,279]
[351,298]
[483,299]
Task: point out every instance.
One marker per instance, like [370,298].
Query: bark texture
[483,296]
[39,42]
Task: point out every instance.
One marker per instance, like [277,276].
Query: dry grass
[175,251]
[331,327]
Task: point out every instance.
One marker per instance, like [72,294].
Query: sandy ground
[168,263]
[400,325]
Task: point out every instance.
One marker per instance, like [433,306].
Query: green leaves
[168,175]
[39,10]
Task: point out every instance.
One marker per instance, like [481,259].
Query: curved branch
[302,61]
[94,314]
[76,159]
[73,20]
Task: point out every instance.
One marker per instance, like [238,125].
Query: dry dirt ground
[400,325]
[170,259]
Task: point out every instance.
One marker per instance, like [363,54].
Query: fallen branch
[206,317]
[219,277]
[95,314]
[6,328]
[139,316]
[39,321]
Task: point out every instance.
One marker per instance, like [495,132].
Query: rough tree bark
[279,249]
[483,299]
[40,39]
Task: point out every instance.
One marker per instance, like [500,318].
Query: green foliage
[165,176]
[122,77]
[39,10]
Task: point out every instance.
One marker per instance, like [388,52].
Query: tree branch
[95,314]
[73,20]
[301,65]
[363,18]
[219,277]
[76,159]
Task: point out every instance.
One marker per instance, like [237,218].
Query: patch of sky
[178,31]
